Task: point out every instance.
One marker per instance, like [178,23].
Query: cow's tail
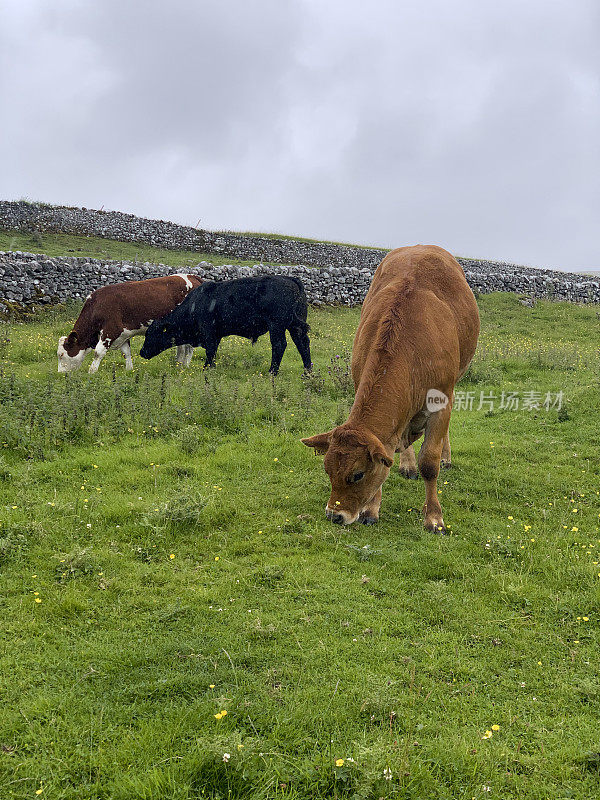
[298,283]
[300,323]
[299,314]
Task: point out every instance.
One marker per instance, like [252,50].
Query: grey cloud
[468,124]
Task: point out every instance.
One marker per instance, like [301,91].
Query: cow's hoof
[445,464]
[409,472]
[435,527]
[367,519]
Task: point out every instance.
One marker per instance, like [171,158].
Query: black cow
[247,307]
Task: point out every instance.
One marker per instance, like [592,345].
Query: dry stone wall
[27,278]
[30,217]
[333,274]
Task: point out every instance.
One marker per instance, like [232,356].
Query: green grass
[286,236]
[66,244]
[271,235]
[172,527]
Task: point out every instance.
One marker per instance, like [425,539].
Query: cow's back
[135,303]
[420,302]
[251,306]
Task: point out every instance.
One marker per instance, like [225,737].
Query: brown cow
[113,314]
[417,335]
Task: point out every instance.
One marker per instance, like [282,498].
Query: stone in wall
[29,279]
[332,273]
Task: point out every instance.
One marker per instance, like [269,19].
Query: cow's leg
[429,465]
[446,454]
[100,351]
[407,465]
[189,352]
[370,513]
[211,351]
[278,345]
[126,350]
[302,342]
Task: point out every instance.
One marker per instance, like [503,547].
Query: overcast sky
[473,124]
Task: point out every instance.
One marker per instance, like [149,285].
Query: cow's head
[70,353]
[161,335]
[357,464]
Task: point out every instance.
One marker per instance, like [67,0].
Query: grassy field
[165,559]
[93,243]
[66,244]
[286,236]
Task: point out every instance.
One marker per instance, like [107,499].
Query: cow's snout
[339,516]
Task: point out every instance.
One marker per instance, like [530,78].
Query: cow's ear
[72,338]
[381,458]
[320,442]
[378,454]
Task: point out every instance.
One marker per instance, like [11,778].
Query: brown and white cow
[417,335]
[113,314]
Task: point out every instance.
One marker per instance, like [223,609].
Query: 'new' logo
[436,400]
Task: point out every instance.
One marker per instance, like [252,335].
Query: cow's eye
[358,476]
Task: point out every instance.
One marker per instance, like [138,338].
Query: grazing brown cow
[417,335]
[113,314]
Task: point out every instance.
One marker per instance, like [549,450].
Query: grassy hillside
[66,244]
[275,235]
[165,559]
